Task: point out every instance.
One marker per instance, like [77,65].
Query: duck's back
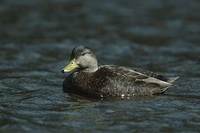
[126,82]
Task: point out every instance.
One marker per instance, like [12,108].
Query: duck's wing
[139,75]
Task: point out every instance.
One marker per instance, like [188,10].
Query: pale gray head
[82,59]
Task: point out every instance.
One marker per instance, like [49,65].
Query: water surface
[36,38]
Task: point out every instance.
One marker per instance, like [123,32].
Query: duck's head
[81,59]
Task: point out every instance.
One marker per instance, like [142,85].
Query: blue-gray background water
[36,38]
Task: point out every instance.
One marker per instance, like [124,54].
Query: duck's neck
[91,69]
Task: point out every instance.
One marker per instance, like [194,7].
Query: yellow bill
[71,66]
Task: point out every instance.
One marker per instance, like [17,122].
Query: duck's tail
[172,79]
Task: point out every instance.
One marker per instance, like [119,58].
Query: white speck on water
[122,96]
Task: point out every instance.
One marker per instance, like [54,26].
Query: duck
[83,76]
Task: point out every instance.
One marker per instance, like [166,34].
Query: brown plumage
[110,80]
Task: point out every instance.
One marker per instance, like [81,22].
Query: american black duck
[85,77]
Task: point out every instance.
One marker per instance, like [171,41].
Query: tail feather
[172,79]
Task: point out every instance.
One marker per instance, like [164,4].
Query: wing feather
[138,75]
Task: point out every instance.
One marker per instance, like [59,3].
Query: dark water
[37,36]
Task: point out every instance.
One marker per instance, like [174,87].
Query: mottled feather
[111,80]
